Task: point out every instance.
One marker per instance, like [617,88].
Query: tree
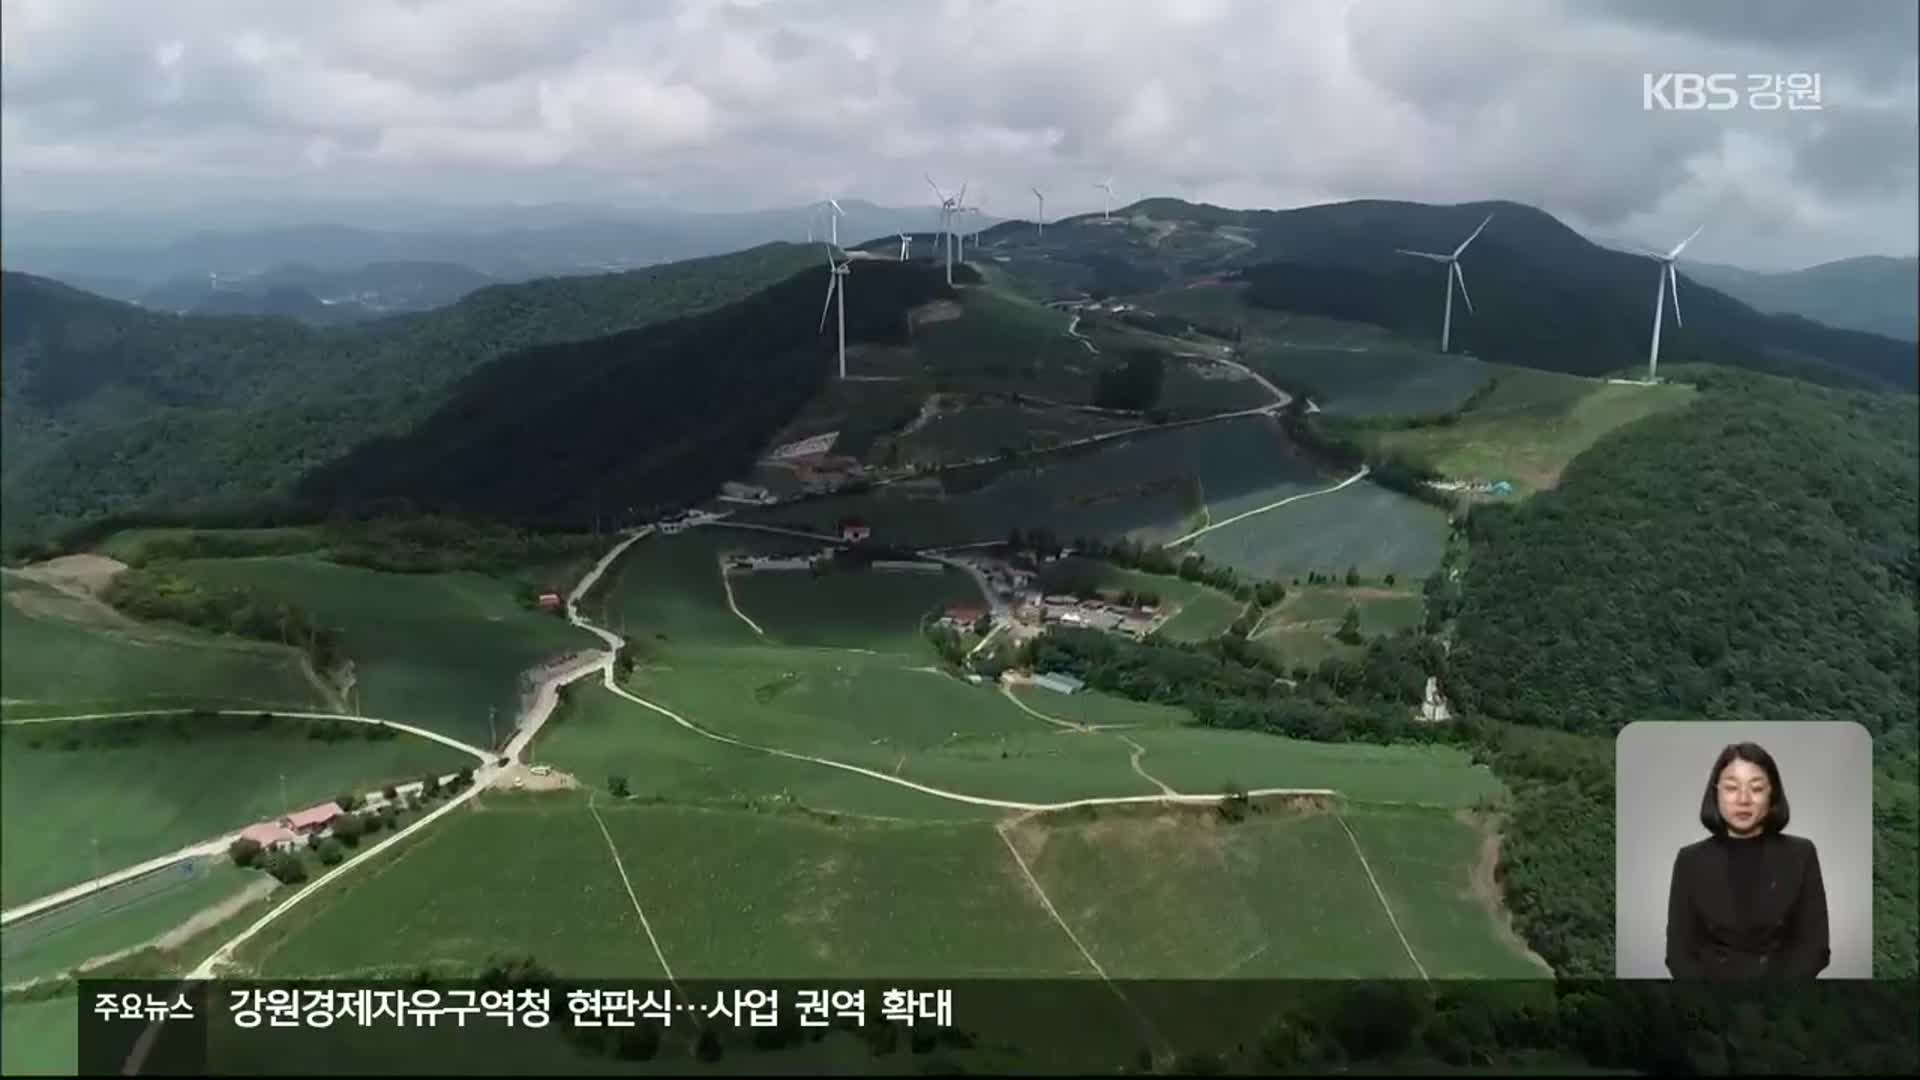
[244,851]
[348,802]
[1235,805]
[389,793]
[1353,575]
[330,853]
[618,786]
[1389,580]
[429,786]
[348,828]
[286,867]
[1349,631]
[982,625]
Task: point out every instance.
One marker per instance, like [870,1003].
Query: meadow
[1363,526]
[436,650]
[1148,486]
[872,608]
[123,917]
[1006,343]
[85,797]
[983,430]
[1529,426]
[1382,610]
[41,1037]
[1373,381]
[1201,612]
[66,656]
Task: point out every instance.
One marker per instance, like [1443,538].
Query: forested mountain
[110,408]
[618,426]
[1872,293]
[312,295]
[1756,556]
[508,244]
[1543,295]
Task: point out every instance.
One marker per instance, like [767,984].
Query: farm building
[912,566]
[965,614]
[1501,487]
[270,835]
[1058,682]
[551,601]
[854,530]
[313,819]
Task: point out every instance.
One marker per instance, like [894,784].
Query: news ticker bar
[240,1027]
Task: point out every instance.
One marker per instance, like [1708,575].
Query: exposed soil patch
[88,575]
[933,312]
[1483,881]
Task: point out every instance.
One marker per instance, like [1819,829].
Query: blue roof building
[1501,487]
[1058,682]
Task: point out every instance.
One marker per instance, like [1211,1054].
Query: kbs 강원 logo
[1691,91]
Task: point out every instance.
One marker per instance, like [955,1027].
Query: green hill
[112,409]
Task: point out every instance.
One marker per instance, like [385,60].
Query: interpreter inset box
[1743,851]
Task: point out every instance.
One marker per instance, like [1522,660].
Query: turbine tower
[1453,274]
[1040,215]
[1669,281]
[906,244]
[833,221]
[836,289]
[948,206]
[1106,206]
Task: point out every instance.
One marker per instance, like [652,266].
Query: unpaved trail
[726,582]
[1354,479]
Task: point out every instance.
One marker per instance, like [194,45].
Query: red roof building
[961,613]
[313,819]
[550,602]
[854,529]
[270,835]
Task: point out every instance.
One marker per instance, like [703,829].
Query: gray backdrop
[1661,773]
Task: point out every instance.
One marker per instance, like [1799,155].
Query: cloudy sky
[131,105]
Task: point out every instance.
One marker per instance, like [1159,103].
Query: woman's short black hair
[1777,811]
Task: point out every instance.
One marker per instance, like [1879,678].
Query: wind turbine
[906,244]
[1453,274]
[949,205]
[833,221]
[1040,215]
[1106,207]
[1669,278]
[836,289]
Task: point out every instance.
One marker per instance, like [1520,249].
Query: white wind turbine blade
[962,197]
[936,190]
[1675,253]
[1673,286]
[1470,239]
[1461,277]
[1425,255]
[833,282]
[835,203]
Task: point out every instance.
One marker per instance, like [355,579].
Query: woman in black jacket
[1747,902]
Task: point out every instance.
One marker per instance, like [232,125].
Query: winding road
[1354,479]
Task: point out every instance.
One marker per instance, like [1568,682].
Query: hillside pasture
[872,608]
[123,917]
[990,428]
[438,650]
[1530,426]
[1147,486]
[1362,525]
[85,797]
[1374,381]
[1199,612]
[66,655]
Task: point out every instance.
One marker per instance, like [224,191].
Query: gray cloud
[714,103]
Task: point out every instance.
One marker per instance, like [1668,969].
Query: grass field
[120,918]
[790,895]
[67,656]
[1202,612]
[852,609]
[668,588]
[40,1038]
[1362,526]
[1530,426]
[1003,342]
[1382,380]
[137,788]
[436,650]
[983,430]
[1209,760]
[1144,486]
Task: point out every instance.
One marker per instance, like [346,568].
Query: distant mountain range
[552,241]
[485,403]
[311,295]
[1874,293]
